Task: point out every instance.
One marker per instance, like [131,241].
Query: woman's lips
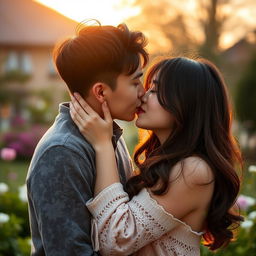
[139,111]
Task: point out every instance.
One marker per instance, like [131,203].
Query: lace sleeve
[122,227]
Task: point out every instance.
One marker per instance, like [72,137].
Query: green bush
[14,225]
[245,97]
[243,245]
[15,237]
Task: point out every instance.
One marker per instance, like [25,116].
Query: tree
[189,25]
[245,98]
[212,27]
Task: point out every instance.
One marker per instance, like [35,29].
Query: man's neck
[95,105]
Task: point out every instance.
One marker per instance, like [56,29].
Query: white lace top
[138,227]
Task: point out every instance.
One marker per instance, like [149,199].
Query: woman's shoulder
[194,170]
[190,188]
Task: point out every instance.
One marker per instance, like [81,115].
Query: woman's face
[152,116]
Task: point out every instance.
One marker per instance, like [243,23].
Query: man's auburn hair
[99,54]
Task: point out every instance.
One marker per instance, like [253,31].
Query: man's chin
[128,118]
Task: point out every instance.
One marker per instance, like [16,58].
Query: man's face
[126,98]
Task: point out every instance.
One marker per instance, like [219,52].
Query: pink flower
[8,154]
[244,202]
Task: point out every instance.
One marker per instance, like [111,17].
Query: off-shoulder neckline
[174,218]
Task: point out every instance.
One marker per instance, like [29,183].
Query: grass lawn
[14,174]
[249,184]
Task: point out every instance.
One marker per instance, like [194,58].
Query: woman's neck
[162,135]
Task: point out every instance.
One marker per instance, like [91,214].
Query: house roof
[241,50]
[26,22]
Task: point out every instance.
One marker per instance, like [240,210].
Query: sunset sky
[110,12]
[113,12]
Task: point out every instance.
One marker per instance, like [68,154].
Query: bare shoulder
[193,170]
[192,180]
[197,171]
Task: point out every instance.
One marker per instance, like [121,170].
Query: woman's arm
[98,132]
[123,226]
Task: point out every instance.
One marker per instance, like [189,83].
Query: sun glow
[110,12]
[241,18]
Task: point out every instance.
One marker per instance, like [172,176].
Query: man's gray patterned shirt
[60,181]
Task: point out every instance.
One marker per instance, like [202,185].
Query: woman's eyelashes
[137,83]
[152,90]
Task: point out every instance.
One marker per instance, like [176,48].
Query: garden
[17,145]
[14,225]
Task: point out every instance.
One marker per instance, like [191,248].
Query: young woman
[187,184]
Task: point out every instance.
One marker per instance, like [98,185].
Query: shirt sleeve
[58,190]
[122,227]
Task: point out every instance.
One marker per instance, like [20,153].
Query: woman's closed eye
[152,90]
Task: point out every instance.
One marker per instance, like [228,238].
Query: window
[25,63]
[12,62]
[19,61]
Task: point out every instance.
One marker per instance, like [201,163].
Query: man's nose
[144,97]
[141,91]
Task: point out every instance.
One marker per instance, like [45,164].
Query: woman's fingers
[84,110]
[84,104]
[79,109]
[95,129]
[81,118]
[79,121]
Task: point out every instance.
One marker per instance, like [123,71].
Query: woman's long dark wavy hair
[194,92]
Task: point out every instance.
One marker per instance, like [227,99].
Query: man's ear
[98,90]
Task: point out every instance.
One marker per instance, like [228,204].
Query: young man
[101,63]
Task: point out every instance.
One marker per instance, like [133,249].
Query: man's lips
[139,111]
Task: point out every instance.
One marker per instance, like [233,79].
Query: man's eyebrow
[137,76]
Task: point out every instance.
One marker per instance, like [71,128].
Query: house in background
[28,33]
[235,60]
